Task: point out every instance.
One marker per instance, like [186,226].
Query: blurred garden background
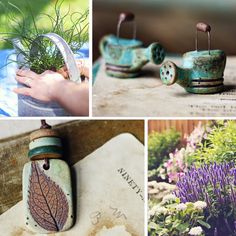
[171,22]
[37,10]
[192,177]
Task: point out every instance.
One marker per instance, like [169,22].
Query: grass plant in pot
[42,49]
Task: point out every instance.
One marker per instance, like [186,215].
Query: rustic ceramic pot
[124,58]
[202,71]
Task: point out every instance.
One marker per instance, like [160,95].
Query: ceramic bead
[45,141]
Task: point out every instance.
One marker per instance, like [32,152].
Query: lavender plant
[216,185]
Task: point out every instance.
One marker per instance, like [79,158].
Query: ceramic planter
[202,71]
[28,106]
[125,58]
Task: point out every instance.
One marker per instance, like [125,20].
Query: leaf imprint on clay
[47,202]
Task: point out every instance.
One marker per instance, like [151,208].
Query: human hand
[43,86]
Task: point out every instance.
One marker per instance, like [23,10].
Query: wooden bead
[43,133]
[45,152]
[45,141]
[46,156]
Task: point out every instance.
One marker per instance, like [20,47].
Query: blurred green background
[36,8]
[171,22]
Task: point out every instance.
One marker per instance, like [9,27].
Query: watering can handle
[66,53]
[126,17]
[205,28]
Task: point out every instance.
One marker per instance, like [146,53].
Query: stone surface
[157,190]
[104,196]
[47,196]
[79,139]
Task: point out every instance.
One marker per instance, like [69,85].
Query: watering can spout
[20,51]
[155,53]
[170,73]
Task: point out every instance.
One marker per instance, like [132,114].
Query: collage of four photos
[117,118]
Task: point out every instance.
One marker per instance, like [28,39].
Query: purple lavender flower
[216,185]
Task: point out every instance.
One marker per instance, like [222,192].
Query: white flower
[157,210]
[181,207]
[196,230]
[199,205]
[153,210]
[161,210]
[168,198]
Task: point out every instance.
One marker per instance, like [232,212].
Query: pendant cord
[44,125]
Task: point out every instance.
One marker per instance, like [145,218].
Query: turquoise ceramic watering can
[124,58]
[202,71]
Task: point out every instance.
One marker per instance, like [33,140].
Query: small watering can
[125,57]
[202,71]
[28,106]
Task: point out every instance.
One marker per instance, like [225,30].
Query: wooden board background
[183,126]
[79,138]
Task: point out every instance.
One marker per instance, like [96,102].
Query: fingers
[23,91]
[84,70]
[25,80]
[27,73]
[63,72]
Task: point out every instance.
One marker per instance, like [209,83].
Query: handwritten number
[95,217]
[117,213]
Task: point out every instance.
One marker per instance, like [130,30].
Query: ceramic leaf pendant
[47,191]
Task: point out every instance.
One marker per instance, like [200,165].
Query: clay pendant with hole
[47,191]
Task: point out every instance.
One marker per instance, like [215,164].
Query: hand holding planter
[125,57]
[28,106]
[202,71]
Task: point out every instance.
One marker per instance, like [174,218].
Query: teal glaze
[125,57]
[202,72]
[44,150]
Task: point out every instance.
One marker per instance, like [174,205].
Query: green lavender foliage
[72,26]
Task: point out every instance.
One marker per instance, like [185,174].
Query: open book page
[146,96]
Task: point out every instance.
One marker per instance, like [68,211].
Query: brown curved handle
[126,16]
[203,27]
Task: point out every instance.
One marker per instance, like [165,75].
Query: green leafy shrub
[219,145]
[172,218]
[160,145]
